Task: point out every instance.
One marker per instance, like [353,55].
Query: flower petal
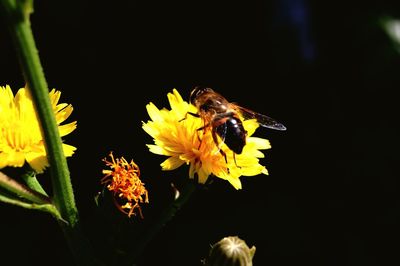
[67,128]
[68,150]
[250,125]
[12,158]
[38,161]
[157,150]
[171,163]
[154,113]
[259,143]
[203,175]
[235,182]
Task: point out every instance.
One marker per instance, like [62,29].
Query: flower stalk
[24,42]
[167,215]
[17,15]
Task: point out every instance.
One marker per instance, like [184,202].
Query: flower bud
[230,251]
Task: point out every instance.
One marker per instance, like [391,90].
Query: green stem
[32,69]
[17,17]
[166,216]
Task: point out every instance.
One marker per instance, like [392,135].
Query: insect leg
[189,113]
[234,158]
[202,128]
[215,138]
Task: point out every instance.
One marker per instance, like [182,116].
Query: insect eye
[206,106]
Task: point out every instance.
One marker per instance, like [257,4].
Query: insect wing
[263,120]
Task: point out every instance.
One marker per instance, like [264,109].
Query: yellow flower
[20,136]
[123,180]
[181,140]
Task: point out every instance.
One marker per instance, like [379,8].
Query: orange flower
[123,180]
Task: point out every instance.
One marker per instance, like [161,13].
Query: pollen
[123,181]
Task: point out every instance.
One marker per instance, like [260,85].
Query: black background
[326,70]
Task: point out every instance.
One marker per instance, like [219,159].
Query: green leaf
[22,191]
[50,208]
[30,180]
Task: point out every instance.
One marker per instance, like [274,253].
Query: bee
[225,119]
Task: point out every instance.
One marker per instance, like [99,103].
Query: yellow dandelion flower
[20,136]
[181,140]
[123,180]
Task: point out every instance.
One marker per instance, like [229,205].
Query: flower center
[15,136]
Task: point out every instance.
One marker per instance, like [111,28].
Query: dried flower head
[123,180]
[181,140]
[20,134]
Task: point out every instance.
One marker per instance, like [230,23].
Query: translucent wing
[263,120]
